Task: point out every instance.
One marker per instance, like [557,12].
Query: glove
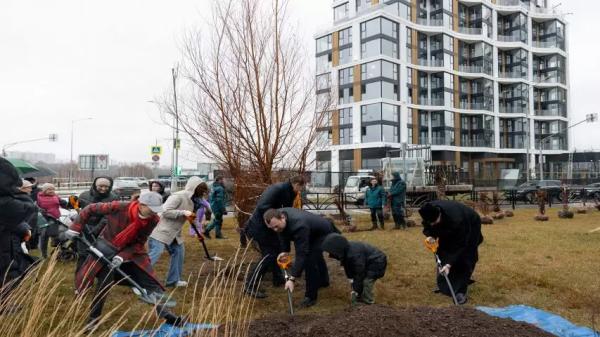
[353,297]
[445,270]
[116,261]
[71,234]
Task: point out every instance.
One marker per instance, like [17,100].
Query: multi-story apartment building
[481,81]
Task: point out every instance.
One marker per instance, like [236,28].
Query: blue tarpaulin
[166,330]
[546,321]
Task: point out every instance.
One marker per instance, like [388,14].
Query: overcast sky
[62,60]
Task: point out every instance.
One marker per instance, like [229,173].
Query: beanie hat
[429,212]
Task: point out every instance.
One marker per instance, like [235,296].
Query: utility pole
[176,138]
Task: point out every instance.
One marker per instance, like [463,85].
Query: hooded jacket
[397,191]
[15,208]
[360,260]
[459,233]
[95,222]
[173,218]
[307,231]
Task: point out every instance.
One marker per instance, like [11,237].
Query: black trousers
[377,214]
[269,247]
[460,276]
[317,275]
[107,278]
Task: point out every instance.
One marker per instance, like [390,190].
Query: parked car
[140,181]
[126,189]
[592,191]
[526,191]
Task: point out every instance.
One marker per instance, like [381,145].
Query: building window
[324,82]
[345,116]
[377,69]
[324,44]
[324,63]
[345,36]
[362,4]
[341,12]
[345,136]
[379,47]
[346,76]
[379,26]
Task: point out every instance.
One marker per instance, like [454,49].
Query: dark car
[592,191]
[126,189]
[526,191]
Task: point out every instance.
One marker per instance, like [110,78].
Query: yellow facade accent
[335,127]
[335,58]
[415,126]
[357,159]
[356,86]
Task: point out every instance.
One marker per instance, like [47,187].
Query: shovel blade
[216,258]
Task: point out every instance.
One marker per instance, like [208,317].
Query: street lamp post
[53,137]
[589,118]
[176,142]
[71,158]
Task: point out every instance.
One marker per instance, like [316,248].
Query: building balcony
[431,101]
[546,79]
[550,112]
[471,69]
[442,141]
[511,74]
[430,63]
[509,38]
[430,22]
[509,109]
[475,106]
[545,44]
[475,143]
[508,2]
[469,31]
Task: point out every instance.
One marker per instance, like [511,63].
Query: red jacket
[116,214]
[50,204]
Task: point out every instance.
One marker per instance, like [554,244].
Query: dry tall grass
[50,308]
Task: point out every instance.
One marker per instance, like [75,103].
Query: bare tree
[249,101]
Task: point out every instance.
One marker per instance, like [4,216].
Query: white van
[356,186]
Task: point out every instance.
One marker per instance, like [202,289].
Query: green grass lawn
[553,265]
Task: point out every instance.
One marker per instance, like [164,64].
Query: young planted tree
[248,96]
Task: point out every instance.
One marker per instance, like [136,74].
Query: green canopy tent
[22,166]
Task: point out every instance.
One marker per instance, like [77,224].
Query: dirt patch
[384,321]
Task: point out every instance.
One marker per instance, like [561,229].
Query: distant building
[33,157]
[482,82]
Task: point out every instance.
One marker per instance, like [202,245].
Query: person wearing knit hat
[457,229]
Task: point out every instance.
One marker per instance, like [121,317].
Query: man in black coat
[363,264]
[100,191]
[307,231]
[458,231]
[15,208]
[275,196]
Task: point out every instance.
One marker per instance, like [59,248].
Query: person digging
[121,242]
[307,231]
[456,229]
[363,265]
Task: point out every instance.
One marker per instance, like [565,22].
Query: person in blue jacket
[217,205]
[375,200]
[398,197]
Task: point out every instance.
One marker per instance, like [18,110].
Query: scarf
[126,236]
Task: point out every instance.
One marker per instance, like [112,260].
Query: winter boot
[373,226]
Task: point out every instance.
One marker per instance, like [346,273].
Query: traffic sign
[156,150]
[155,158]
[93,162]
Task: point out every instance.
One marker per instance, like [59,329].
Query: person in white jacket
[167,234]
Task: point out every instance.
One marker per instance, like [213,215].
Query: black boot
[256,293]
[373,227]
[307,302]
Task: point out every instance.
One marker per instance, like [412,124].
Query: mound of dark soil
[384,321]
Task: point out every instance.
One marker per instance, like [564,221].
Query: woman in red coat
[122,241]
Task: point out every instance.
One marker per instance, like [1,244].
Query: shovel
[284,263]
[433,247]
[201,239]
